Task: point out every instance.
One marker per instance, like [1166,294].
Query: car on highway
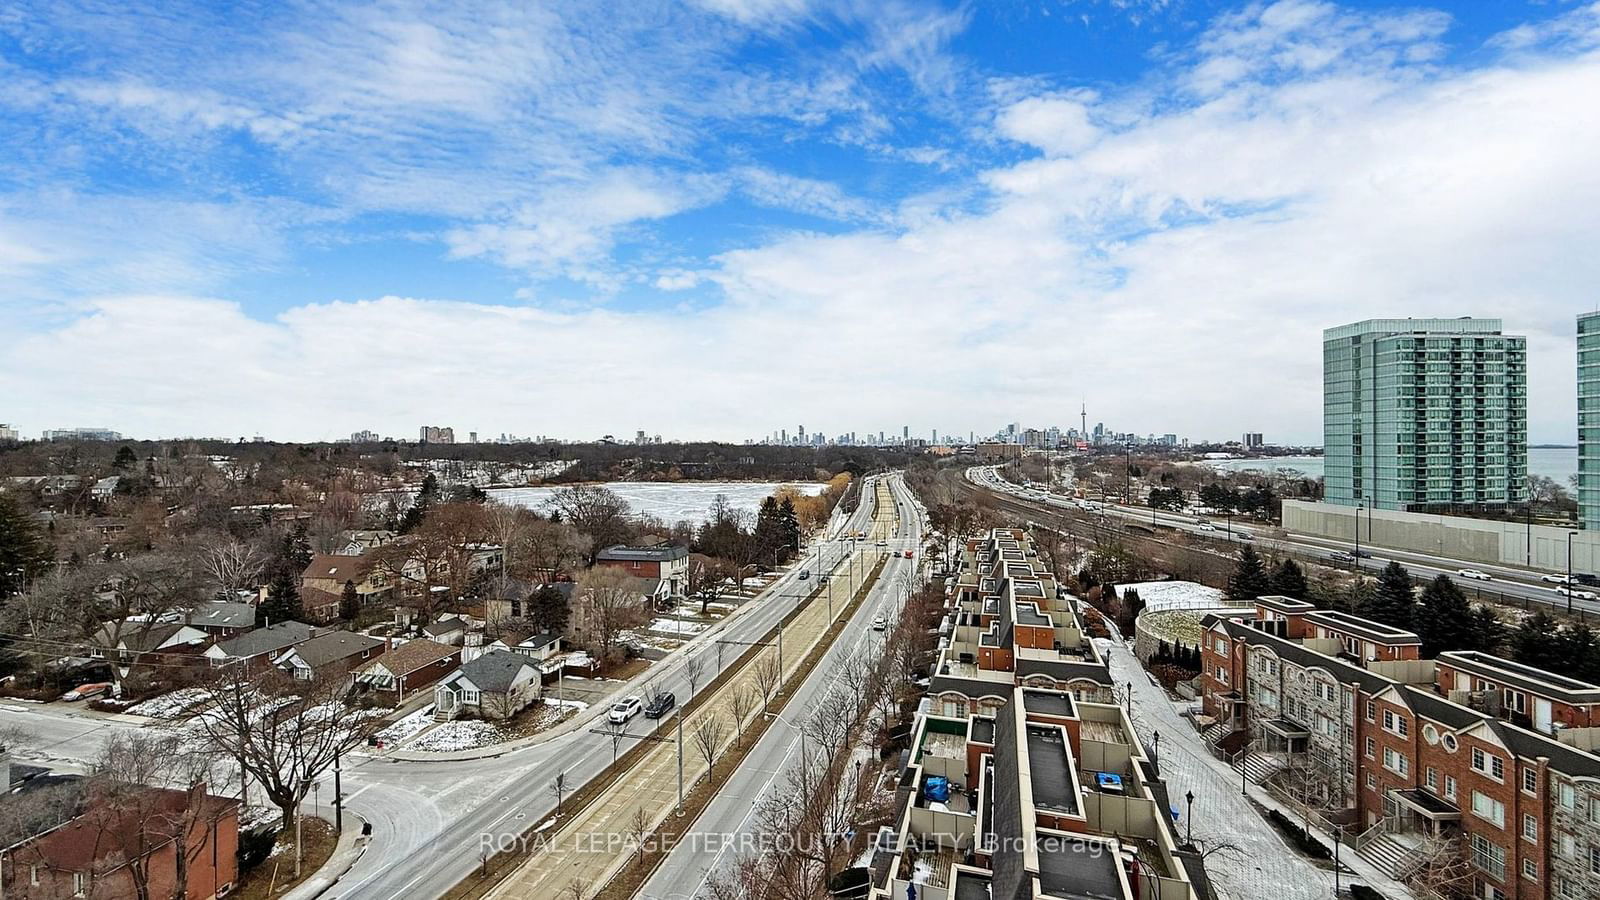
[1474,574]
[85,691]
[624,709]
[883,543]
[660,705]
[1342,556]
[804,574]
[1205,526]
[1553,579]
[880,623]
[1576,594]
[1243,535]
[908,554]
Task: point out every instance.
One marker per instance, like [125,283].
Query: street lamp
[1358,536]
[1188,824]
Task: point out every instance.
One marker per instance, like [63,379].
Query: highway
[1509,585]
[713,844]
[432,820]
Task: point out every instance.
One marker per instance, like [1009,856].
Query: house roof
[137,638]
[109,832]
[337,567]
[268,639]
[659,553]
[411,656]
[495,671]
[222,614]
[333,646]
[447,625]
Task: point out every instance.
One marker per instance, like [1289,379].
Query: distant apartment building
[992,451]
[1252,440]
[1423,414]
[1589,420]
[82,434]
[433,434]
[364,437]
[7,433]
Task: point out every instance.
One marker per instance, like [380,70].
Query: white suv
[624,709]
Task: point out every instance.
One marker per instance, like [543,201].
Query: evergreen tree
[769,535]
[1486,631]
[1578,651]
[349,602]
[1394,602]
[297,546]
[1289,581]
[1445,621]
[1535,642]
[547,609]
[1249,579]
[789,525]
[24,555]
[125,458]
[283,598]
[420,506]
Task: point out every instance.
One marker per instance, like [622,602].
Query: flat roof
[1050,703]
[1354,624]
[1050,770]
[1076,869]
[1519,674]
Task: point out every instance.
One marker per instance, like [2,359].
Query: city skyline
[331,221]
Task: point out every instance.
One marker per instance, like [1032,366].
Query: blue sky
[717,218]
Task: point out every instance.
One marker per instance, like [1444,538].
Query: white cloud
[1058,125]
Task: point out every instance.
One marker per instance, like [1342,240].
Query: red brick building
[169,843]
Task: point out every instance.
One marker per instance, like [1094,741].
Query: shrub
[1362,892]
[1307,843]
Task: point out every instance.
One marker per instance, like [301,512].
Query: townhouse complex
[1462,775]
[1024,778]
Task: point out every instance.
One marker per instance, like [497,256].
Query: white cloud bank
[1170,252]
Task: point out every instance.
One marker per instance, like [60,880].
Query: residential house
[666,564]
[329,653]
[494,686]
[506,600]
[105,488]
[319,606]
[94,853]
[408,667]
[1524,695]
[262,644]
[448,629]
[127,641]
[221,618]
[540,647]
[356,543]
[329,572]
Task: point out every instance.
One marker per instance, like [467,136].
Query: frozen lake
[668,501]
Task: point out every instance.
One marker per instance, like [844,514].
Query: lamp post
[1338,838]
[1188,823]
[1155,755]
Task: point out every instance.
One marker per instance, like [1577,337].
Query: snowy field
[669,502]
[677,626]
[449,736]
[1158,595]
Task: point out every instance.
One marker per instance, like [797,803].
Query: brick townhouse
[1427,764]
[1011,624]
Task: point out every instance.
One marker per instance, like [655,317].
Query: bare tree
[693,670]
[638,829]
[606,602]
[708,579]
[283,732]
[768,676]
[577,889]
[595,511]
[741,699]
[230,564]
[507,527]
[558,787]
[549,549]
[130,764]
[707,733]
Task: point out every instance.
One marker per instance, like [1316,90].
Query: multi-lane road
[724,828]
[1508,584]
[432,820]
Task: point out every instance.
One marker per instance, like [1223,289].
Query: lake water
[1558,463]
[668,501]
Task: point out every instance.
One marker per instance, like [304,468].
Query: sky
[718,218]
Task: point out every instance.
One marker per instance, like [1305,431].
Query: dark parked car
[660,705]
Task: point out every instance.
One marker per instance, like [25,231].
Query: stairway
[1259,768]
[1216,733]
[1389,855]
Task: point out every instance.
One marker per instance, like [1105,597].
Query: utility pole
[338,797]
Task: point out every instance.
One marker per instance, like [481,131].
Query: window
[1566,796]
[1488,857]
[1567,846]
[1492,766]
[1566,888]
[1450,787]
[1530,780]
[1530,870]
[1431,779]
[1222,674]
[33,874]
[1489,809]
[1397,724]
[1594,860]
[1372,782]
[1396,762]
[469,696]
[80,884]
[1372,748]
[1372,710]
[1530,828]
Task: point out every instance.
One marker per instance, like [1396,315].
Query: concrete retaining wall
[1542,547]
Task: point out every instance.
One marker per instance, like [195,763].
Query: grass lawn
[275,875]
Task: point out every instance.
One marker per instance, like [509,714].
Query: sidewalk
[349,849]
[1222,814]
